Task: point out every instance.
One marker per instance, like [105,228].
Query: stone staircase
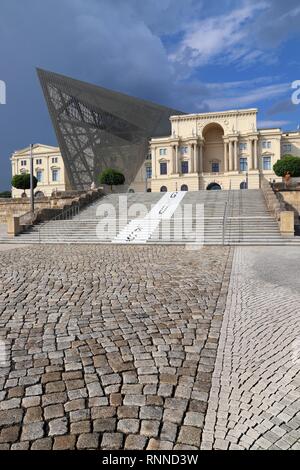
[237,217]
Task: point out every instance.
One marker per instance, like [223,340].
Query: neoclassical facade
[218,150]
[48,167]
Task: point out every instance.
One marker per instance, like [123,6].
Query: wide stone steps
[247,221]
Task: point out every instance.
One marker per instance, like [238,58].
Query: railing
[65,214]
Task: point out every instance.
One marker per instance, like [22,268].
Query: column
[255,155]
[250,163]
[191,167]
[172,160]
[225,157]
[230,156]
[176,158]
[201,157]
[196,149]
[235,156]
[154,162]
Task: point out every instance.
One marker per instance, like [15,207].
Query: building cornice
[216,114]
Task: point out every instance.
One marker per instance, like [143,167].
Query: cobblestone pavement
[255,395]
[108,347]
[8,246]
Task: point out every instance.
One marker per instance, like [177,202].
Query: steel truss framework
[97,128]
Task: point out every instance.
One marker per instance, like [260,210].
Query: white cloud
[220,38]
[237,96]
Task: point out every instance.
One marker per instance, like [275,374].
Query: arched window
[163,189]
[184,187]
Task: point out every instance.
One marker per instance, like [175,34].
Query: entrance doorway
[184,187]
[213,187]
[243,185]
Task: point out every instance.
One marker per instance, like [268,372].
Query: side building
[218,150]
[48,167]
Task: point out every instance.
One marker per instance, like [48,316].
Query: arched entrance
[213,187]
[163,189]
[213,151]
[184,187]
[149,190]
[243,185]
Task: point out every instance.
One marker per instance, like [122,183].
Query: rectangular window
[38,161]
[267,163]
[183,150]
[184,167]
[266,144]
[148,172]
[54,160]
[243,146]
[243,164]
[163,168]
[162,151]
[39,176]
[55,175]
[287,147]
[215,166]
[23,162]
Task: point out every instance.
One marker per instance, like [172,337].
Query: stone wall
[47,205]
[292,199]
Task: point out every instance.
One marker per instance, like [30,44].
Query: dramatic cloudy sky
[190,54]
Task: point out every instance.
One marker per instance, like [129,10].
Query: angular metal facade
[97,128]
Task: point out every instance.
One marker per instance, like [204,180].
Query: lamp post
[247,179]
[31,180]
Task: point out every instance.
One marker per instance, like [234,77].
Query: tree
[22,181]
[288,164]
[112,177]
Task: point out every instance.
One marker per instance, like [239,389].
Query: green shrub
[287,164]
[111,177]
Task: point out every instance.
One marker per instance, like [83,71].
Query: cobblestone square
[109,347]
